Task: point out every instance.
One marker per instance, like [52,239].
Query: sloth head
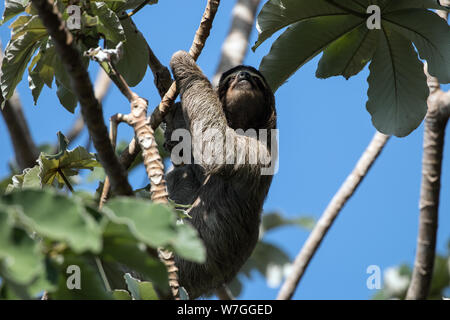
[247,100]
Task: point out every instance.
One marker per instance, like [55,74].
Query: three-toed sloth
[224,187]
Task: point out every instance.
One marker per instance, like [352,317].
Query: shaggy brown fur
[226,199]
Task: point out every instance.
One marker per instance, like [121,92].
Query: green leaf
[275,220]
[50,167]
[398,90]
[109,24]
[339,29]
[151,223]
[63,142]
[31,24]
[29,179]
[188,245]
[36,84]
[13,8]
[407,4]
[69,164]
[44,66]
[156,226]
[4,183]
[120,5]
[66,97]
[140,290]
[349,54]
[20,258]
[56,217]
[301,42]
[133,63]
[92,286]
[270,261]
[120,246]
[429,33]
[441,277]
[120,294]
[43,71]
[25,24]
[17,55]
[277,14]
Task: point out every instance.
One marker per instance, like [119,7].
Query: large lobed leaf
[140,290]
[51,168]
[398,89]
[109,24]
[119,245]
[17,55]
[20,259]
[338,28]
[156,226]
[13,8]
[56,217]
[133,62]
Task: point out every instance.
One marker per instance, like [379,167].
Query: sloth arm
[203,109]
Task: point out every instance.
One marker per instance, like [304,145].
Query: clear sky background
[324,127]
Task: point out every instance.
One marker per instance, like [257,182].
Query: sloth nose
[243,75]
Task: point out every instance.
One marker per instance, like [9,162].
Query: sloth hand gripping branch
[226,197]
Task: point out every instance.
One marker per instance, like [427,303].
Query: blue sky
[324,128]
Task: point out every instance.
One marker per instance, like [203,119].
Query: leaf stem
[103,274]
[66,181]
[134,11]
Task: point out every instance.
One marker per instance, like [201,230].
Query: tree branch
[90,108]
[25,150]
[235,46]
[101,87]
[196,48]
[161,74]
[346,190]
[433,146]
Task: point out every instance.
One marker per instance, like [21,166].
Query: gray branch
[235,46]
[330,214]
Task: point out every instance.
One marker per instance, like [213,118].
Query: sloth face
[244,79]
[247,101]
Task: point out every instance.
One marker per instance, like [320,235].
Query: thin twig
[82,87]
[25,149]
[136,10]
[336,204]
[161,74]
[101,270]
[196,48]
[66,181]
